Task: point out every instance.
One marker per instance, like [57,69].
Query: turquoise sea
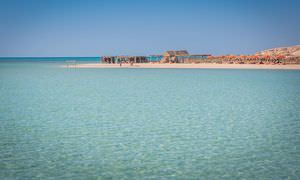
[62,123]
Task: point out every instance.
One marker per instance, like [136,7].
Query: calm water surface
[148,123]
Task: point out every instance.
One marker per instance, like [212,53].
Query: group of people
[109,60]
[120,60]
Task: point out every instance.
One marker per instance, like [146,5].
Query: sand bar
[188,66]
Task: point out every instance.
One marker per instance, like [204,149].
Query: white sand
[191,66]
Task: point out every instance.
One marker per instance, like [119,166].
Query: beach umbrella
[223,57]
[267,57]
[280,57]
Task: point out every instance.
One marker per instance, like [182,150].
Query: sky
[44,28]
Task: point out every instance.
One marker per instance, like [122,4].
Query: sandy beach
[187,66]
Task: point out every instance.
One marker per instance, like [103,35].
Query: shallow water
[148,123]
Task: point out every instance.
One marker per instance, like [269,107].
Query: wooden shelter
[182,56]
[174,56]
[176,53]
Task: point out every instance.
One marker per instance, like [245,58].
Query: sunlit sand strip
[187,66]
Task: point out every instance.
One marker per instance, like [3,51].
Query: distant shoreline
[186,66]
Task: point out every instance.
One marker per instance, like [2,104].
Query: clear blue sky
[141,27]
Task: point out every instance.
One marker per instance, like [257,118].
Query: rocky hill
[289,52]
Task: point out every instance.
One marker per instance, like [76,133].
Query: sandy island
[187,66]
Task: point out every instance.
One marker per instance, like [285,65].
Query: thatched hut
[174,56]
[182,56]
[176,53]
